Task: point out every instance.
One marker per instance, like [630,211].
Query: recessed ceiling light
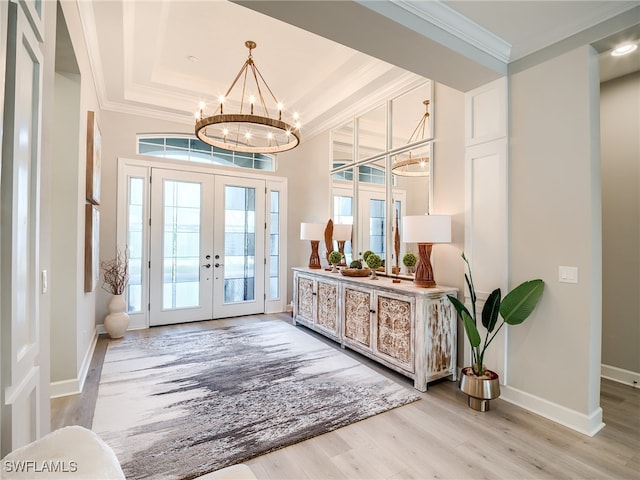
[624,49]
[192,58]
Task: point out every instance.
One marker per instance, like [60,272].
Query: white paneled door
[21,351]
[207,247]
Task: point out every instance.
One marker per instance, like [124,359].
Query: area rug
[178,405]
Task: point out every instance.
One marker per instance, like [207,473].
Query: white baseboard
[134,324]
[64,388]
[73,386]
[586,424]
[620,375]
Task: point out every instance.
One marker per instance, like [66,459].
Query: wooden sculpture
[328,239]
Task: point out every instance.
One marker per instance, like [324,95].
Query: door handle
[208,265]
[217,265]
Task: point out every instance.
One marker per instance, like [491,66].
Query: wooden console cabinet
[409,329]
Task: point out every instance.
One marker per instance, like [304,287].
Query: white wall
[620,124]
[554,187]
[72,324]
[307,168]
[448,189]
[64,240]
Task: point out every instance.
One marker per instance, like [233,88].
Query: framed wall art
[94,149]
[91,248]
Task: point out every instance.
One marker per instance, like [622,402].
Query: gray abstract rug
[180,405]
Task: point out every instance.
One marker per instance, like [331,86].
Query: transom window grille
[191,149]
[366,174]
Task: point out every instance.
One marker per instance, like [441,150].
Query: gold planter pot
[480,389]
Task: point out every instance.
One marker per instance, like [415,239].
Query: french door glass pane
[239,244]
[343,215]
[181,253]
[135,244]
[376,227]
[274,242]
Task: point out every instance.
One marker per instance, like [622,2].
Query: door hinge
[149,306]
[149,221]
[265,296]
[149,263]
[265,261]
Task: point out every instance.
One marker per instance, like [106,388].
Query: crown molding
[424,16]
[88,24]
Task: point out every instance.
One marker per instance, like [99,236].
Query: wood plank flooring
[436,437]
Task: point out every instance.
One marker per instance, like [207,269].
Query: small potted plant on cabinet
[479,383]
[374,262]
[335,258]
[409,260]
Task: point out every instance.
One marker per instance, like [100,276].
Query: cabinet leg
[420,384]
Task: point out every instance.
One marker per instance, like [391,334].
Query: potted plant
[409,260]
[373,261]
[335,258]
[479,383]
[115,275]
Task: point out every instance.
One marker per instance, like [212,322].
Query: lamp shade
[312,231]
[426,229]
[341,232]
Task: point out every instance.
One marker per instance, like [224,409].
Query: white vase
[117,321]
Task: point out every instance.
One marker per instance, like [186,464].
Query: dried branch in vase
[115,273]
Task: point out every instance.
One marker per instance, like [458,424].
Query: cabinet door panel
[394,336]
[441,355]
[357,316]
[305,298]
[328,306]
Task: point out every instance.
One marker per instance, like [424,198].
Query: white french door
[207,247]
[239,241]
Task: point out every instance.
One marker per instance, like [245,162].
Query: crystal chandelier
[247,131]
[414,166]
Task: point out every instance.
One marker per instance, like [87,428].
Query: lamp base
[314,259]
[424,283]
[424,271]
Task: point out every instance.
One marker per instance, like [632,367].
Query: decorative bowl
[355,272]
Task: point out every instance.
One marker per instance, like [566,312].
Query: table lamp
[425,230]
[313,232]
[342,233]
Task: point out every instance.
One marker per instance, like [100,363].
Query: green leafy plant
[373,261]
[514,309]
[335,257]
[356,264]
[409,260]
[366,254]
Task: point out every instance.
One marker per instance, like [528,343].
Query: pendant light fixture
[414,166]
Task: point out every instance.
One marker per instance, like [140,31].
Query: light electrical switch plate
[568,274]
[45,282]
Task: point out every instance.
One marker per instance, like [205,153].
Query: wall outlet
[568,274]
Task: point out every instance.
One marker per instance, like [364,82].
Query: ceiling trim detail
[436,14]
[88,22]
[455,23]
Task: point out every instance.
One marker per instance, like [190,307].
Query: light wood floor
[435,437]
